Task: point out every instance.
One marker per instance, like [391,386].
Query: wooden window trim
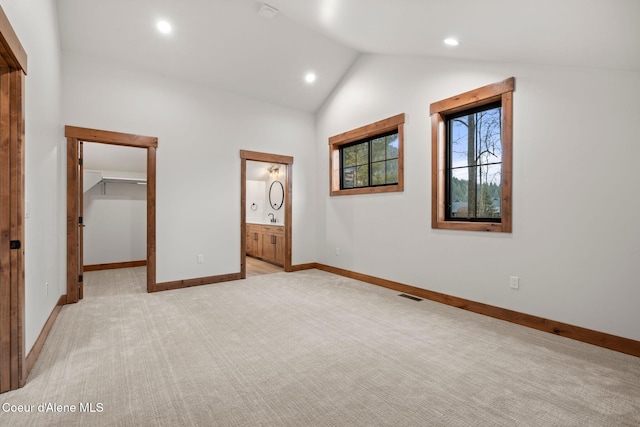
[501,91]
[395,123]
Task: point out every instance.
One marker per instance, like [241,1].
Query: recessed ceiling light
[310,78]
[164,27]
[451,41]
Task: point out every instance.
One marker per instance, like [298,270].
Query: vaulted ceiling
[228,44]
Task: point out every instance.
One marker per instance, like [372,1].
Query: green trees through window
[370,163]
[368,159]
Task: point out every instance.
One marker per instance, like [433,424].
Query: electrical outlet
[200,258]
[514,282]
[337,251]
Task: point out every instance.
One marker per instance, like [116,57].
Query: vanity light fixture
[274,170]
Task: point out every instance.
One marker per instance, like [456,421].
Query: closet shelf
[93,178]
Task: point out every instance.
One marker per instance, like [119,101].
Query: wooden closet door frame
[13,69]
[74,136]
[265,158]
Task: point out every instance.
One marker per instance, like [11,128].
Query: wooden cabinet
[272,244]
[266,242]
[253,240]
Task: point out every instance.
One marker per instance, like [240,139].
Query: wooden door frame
[13,69]
[75,135]
[266,158]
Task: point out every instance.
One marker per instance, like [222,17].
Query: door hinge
[80,278]
[79,220]
[15,244]
[80,161]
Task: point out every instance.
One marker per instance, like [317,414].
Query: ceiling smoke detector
[267,11]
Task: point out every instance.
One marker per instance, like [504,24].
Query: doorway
[75,227]
[286,162]
[115,199]
[265,218]
[13,68]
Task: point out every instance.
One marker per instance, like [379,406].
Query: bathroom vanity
[266,242]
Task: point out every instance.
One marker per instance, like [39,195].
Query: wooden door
[5,253]
[74,221]
[12,351]
[81,224]
[13,68]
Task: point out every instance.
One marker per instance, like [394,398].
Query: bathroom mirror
[276,195]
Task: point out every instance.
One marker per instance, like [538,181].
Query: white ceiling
[219,43]
[226,44]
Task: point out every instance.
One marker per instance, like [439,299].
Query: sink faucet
[273,218]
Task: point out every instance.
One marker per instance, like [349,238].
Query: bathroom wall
[256,205]
[258,192]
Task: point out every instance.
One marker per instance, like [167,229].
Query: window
[370,163]
[471,159]
[368,159]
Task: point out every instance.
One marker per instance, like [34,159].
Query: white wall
[35,23]
[200,133]
[115,223]
[575,241]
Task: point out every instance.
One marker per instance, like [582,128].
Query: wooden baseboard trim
[600,339]
[187,283]
[37,346]
[115,265]
[300,267]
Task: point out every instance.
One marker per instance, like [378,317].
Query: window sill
[368,190]
[472,226]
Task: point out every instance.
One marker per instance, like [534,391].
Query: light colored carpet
[311,349]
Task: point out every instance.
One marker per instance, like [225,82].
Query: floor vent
[410,297]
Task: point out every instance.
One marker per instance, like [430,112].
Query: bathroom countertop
[277,224]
